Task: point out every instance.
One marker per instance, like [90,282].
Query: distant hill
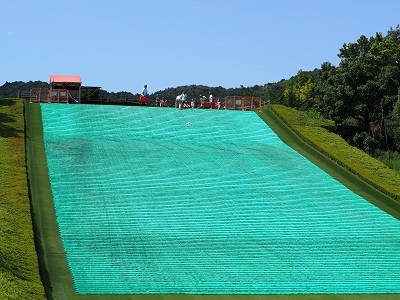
[10,89]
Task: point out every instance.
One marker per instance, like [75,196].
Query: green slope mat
[167,230]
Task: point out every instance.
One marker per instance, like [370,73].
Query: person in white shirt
[210,99]
[145,93]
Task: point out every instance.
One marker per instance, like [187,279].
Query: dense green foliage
[362,94]
[363,90]
[312,128]
[19,271]
[300,91]
[10,89]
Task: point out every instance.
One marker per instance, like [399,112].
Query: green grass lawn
[19,271]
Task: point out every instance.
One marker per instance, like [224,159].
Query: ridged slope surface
[161,200]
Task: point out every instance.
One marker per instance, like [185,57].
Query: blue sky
[121,45]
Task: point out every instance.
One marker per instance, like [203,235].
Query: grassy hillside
[311,128]
[19,271]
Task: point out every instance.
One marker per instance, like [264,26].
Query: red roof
[65,78]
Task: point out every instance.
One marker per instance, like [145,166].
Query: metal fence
[39,95]
[59,96]
[242,103]
[50,96]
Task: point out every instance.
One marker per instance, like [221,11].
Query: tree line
[361,94]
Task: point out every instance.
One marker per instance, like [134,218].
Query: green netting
[160,200]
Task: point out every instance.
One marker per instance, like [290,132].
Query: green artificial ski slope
[162,201]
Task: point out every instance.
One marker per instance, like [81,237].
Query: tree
[300,91]
[394,123]
[307,94]
[364,86]
[268,95]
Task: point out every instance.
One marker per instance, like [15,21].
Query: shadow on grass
[7,102]
[6,130]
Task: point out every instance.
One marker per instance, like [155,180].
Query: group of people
[182,101]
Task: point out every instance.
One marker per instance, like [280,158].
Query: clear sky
[121,45]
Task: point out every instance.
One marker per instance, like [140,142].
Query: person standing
[144,96]
[202,99]
[144,91]
[210,99]
[178,100]
[183,99]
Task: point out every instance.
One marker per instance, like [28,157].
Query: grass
[312,130]
[391,159]
[19,271]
